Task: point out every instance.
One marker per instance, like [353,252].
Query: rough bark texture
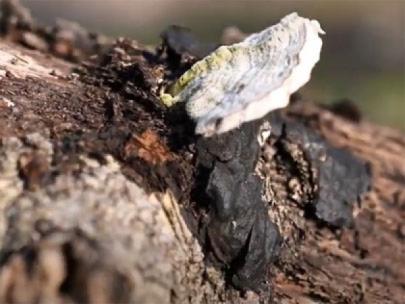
[98,187]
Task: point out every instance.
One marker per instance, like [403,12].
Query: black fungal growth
[239,231]
[336,179]
[180,41]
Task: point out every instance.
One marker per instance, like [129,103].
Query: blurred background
[363,58]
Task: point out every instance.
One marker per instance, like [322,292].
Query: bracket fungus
[233,85]
[229,94]
[244,81]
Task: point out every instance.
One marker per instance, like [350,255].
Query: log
[100,198]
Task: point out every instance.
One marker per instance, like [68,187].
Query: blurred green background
[363,57]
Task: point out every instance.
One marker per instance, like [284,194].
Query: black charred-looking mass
[336,178]
[180,41]
[239,230]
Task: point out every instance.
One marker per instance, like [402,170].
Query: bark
[95,201]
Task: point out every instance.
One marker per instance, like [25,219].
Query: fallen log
[103,191]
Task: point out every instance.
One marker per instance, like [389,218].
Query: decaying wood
[90,210]
[363,264]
